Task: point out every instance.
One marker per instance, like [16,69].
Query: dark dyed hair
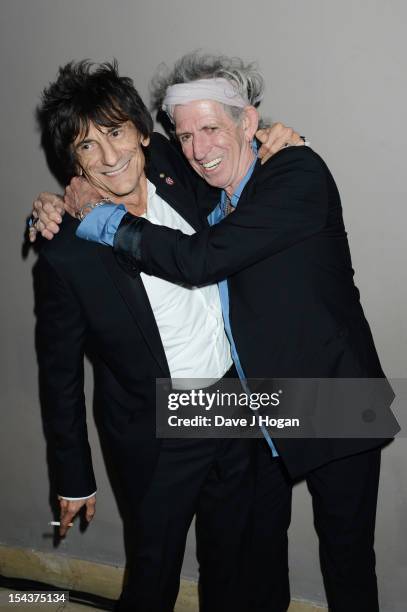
[85,92]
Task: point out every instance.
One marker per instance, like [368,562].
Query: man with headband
[290,306]
[139,329]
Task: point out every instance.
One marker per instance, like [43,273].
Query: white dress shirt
[189,319]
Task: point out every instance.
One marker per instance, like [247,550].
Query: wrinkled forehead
[198,112]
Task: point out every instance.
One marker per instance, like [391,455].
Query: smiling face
[112,159]
[217,147]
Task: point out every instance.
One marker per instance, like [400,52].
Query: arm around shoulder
[285,202]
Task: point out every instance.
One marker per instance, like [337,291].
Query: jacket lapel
[132,290]
[181,197]
[183,200]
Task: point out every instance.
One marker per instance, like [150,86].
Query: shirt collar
[151,189]
[238,191]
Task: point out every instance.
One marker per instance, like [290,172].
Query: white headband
[218,89]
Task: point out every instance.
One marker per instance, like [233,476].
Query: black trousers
[215,479]
[344,498]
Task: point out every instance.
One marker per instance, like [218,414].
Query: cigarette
[58,524]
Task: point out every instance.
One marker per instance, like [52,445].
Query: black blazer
[294,308]
[85,297]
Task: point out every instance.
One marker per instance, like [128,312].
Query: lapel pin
[169,180]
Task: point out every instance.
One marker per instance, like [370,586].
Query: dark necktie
[228,206]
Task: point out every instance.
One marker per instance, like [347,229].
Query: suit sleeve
[288,203]
[60,341]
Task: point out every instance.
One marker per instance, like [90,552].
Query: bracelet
[305,140]
[81,214]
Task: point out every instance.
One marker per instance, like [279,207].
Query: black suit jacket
[85,297]
[294,308]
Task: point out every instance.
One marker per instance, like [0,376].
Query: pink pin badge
[169,180]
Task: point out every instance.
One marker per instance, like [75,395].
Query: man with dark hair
[140,328]
[82,96]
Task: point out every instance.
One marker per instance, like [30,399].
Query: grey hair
[246,78]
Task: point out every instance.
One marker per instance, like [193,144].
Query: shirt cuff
[101,224]
[77,498]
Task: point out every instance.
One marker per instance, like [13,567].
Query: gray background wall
[336,71]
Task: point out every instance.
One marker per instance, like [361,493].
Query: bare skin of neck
[136,201]
[250,156]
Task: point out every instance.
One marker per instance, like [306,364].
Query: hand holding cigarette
[70,508]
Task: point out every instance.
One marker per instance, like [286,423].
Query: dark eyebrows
[82,142]
[115,127]
[110,129]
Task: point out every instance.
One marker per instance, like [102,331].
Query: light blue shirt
[214,217]
[101,224]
